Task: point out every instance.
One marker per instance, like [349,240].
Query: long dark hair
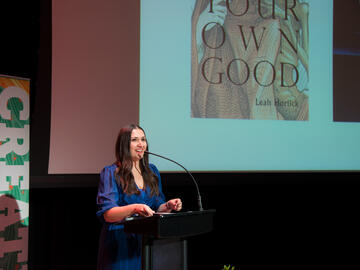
[124,163]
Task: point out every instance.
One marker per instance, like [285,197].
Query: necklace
[138,170]
[139,179]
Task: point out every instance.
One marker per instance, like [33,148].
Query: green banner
[14,171]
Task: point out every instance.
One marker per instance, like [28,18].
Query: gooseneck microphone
[196,185]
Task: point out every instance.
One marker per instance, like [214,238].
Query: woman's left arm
[166,207]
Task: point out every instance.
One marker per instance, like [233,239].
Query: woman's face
[138,144]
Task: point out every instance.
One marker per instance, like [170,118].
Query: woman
[130,186]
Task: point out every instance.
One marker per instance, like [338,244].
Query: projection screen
[217,85]
[190,113]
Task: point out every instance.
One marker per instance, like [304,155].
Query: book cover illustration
[249,59]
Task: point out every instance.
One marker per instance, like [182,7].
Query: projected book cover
[250,59]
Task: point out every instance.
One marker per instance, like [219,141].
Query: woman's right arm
[119,213]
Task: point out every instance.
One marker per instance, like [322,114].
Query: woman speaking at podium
[131,186]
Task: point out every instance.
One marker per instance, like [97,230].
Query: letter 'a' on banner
[14,171]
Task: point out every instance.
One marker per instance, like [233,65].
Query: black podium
[164,236]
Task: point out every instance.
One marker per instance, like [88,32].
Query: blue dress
[117,249]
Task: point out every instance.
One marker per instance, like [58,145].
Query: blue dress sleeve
[108,192]
[161,198]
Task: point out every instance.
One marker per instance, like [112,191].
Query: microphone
[196,185]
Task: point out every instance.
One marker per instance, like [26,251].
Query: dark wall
[279,220]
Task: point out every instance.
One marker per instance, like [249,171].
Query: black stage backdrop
[278,220]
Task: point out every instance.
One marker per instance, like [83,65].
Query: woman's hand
[174,204]
[118,213]
[143,210]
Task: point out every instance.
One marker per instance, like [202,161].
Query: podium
[165,236]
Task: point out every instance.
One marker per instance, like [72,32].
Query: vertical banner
[14,172]
[250,59]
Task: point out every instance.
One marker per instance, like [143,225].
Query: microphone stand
[193,179]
